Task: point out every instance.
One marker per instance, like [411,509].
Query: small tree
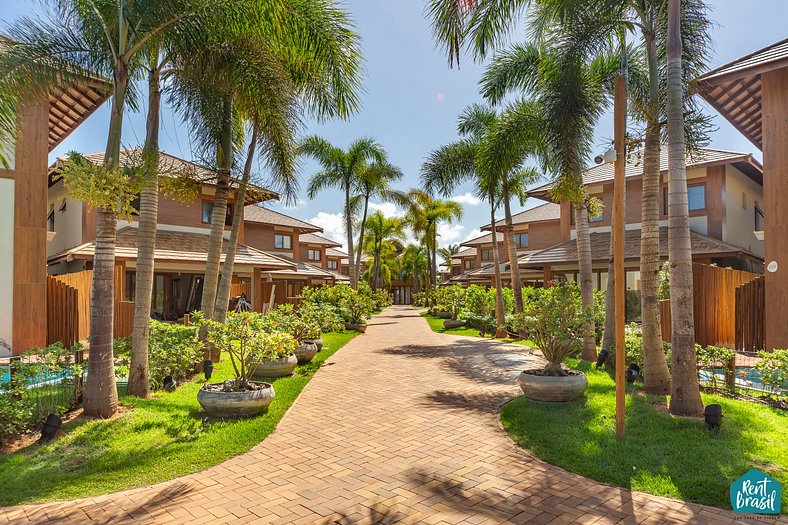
[556,322]
[244,340]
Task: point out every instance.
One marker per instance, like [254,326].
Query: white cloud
[388,209]
[449,234]
[333,225]
[467,198]
[299,204]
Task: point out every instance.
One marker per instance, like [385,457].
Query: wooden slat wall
[714,305]
[68,307]
[236,289]
[750,315]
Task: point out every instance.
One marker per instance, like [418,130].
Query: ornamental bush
[173,350]
[774,370]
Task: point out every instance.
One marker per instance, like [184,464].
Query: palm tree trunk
[500,315]
[361,232]
[100,397]
[586,278]
[138,384]
[685,393]
[352,268]
[223,293]
[514,267]
[224,159]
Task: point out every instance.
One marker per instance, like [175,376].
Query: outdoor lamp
[601,358]
[169,384]
[633,370]
[713,416]
[50,428]
[207,369]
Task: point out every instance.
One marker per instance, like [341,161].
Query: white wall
[6,263]
[740,220]
[68,223]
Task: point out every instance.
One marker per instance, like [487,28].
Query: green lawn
[660,455]
[159,439]
[436,323]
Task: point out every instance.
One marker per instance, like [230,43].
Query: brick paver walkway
[400,427]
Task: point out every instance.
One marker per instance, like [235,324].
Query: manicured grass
[660,455]
[436,323]
[158,439]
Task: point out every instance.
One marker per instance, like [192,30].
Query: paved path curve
[401,426]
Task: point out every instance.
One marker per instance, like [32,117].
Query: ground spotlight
[632,372]
[601,358]
[169,384]
[207,369]
[712,414]
[51,426]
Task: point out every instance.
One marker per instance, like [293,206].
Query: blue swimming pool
[749,378]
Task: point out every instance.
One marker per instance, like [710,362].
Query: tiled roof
[177,246]
[333,252]
[566,252]
[484,239]
[634,168]
[264,215]
[548,211]
[176,166]
[311,238]
[304,269]
[773,53]
[488,270]
[467,252]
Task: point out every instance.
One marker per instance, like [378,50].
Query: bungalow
[41,126]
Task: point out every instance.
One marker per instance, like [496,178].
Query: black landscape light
[169,384]
[51,426]
[633,370]
[207,369]
[601,358]
[713,416]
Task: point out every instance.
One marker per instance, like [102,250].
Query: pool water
[749,378]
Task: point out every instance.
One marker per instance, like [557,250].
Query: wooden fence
[714,305]
[750,315]
[68,307]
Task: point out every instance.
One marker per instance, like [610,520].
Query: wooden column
[619,274]
[547,274]
[257,290]
[775,190]
[30,230]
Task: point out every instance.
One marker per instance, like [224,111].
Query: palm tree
[383,232]
[110,38]
[413,266]
[425,215]
[685,393]
[375,181]
[343,169]
[447,253]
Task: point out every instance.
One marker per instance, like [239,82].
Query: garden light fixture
[633,370]
[712,414]
[51,426]
[601,358]
[169,384]
[207,369]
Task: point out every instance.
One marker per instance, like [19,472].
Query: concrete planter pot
[453,323]
[317,342]
[443,314]
[248,403]
[358,327]
[305,352]
[280,367]
[553,389]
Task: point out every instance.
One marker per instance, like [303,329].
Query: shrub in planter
[304,333]
[242,337]
[555,324]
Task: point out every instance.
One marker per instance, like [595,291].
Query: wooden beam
[619,189]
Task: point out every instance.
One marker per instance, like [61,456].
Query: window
[596,218]
[207,212]
[743,200]
[468,264]
[696,195]
[331,265]
[294,288]
[283,242]
[487,254]
[758,218]
[664,200]
[62,206]
[313,255]
[51,218]
[521,240]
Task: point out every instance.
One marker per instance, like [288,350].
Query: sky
[412,98]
